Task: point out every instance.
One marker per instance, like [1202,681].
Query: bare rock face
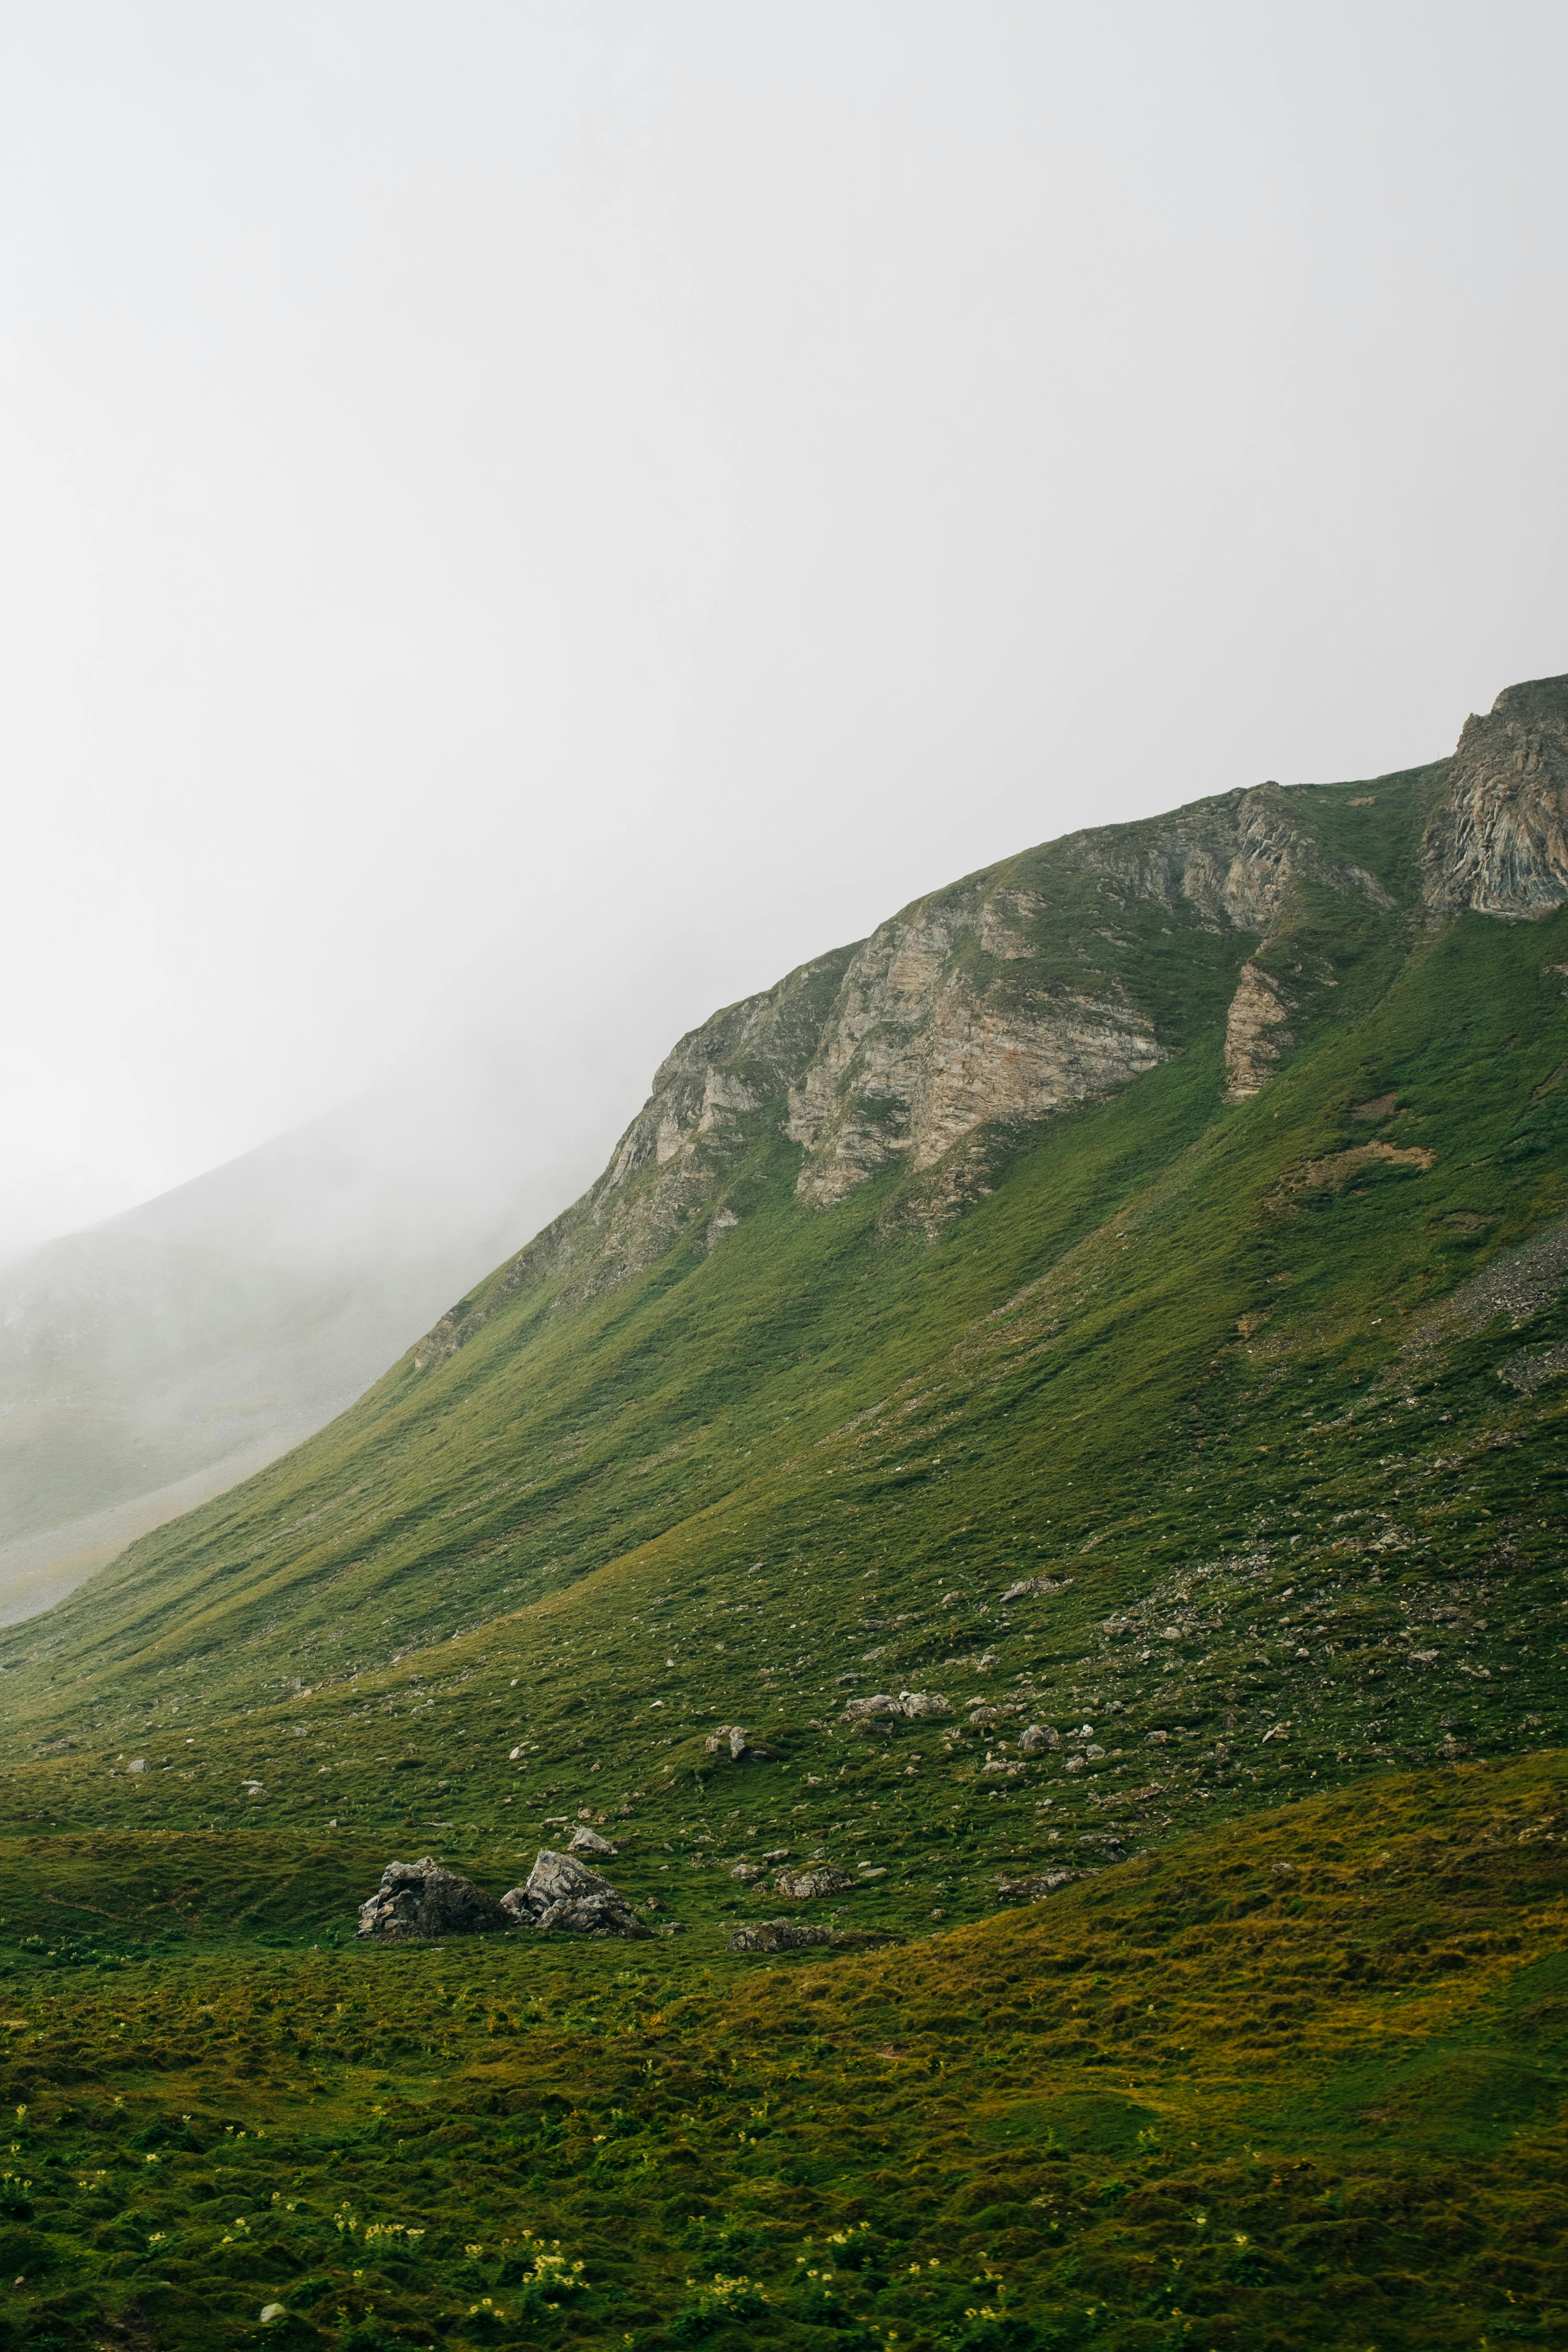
[419,1900]
[1498,844]
[564,1897]
[792,1934]
[918,1051]
[984,1007]
[807,1885]
[1254,1033]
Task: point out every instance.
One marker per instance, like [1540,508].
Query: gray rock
[916,1705]
[1035,1888]
[565,1897]
[587,1840]
[792,1934]
[1037,1737]
[806,1885]
[419,1900]
[1032,1584]
[731,1740]
[746,1871]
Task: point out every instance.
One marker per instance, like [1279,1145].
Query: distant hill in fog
[152,1361]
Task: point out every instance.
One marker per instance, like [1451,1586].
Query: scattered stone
[864,1710]
[995,1764]
[1033,1584]
[731,1738]
[920,1705]
[779,1853]
[1037,1737]
[1035,1888]
[139,1764]
[746,1871]
[1076,1763]
[791,1935]
[806,1885]
[564,1897]
[873,1870]
[587,1840]
[916,1706]
[1155,1738]
[419,1900]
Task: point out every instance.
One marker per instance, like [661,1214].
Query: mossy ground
[1293,2082]
[1195,1364]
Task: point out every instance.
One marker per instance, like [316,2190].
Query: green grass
[1182,1359]
[1296,2081]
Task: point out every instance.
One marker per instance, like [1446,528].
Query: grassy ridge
[1266,1393]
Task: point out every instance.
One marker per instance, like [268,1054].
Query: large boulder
[805,1885]
[791,1935]
[417,1901]
[565,1897]
[1036,1738]
[587,1840]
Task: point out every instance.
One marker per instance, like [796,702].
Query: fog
[521,522]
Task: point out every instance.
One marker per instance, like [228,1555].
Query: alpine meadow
[992,1599]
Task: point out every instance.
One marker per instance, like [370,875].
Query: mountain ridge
[1147,1519]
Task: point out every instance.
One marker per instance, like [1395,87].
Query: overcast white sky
[548,508]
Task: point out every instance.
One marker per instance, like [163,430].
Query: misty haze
[784,1227]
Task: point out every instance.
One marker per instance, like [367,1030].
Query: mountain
[157,1359]
[1119,1307]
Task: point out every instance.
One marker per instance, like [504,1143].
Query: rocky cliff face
[1498,845]
[1022,992]
[999,1001]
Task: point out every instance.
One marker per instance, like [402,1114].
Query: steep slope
[1122,1307]
[869,1307]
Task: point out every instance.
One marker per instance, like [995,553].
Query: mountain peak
[1498,843]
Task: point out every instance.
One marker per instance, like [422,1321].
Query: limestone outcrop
[1023,992]
[1497,842]
[1255,1034]
[417,1902]
[564,1897]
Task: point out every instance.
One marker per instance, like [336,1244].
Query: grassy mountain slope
[1174,1215]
